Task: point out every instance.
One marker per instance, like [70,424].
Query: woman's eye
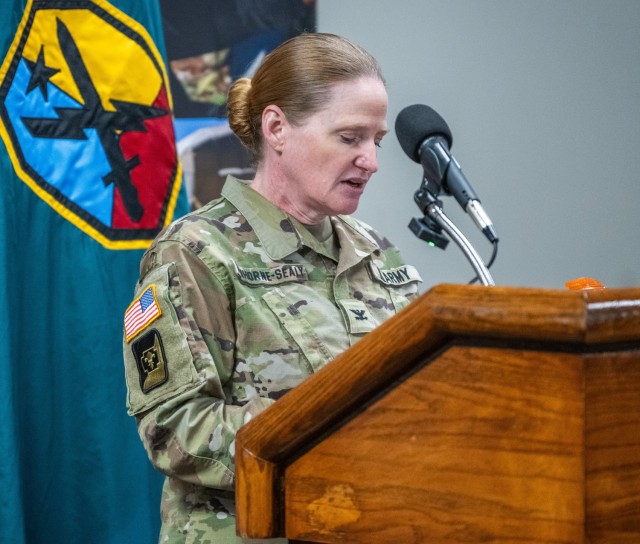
[348,139]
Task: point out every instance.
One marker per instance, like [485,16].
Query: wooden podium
[477,414]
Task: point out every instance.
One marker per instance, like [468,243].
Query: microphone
[426,138]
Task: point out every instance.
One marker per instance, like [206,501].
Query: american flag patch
[141,312]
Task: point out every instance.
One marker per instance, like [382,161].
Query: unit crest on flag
[85,113]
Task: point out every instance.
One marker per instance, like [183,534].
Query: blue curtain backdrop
[72,468]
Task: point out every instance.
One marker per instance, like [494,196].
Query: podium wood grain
[475,415]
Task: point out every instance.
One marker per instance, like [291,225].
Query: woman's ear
[274,127]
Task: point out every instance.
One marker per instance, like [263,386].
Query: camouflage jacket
[236,304]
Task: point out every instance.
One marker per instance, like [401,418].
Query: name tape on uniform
[396,276]
[272,276]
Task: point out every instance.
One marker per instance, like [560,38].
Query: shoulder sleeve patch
[158,361]
[143,311]
[150,360]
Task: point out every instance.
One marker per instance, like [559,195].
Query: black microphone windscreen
[415,124]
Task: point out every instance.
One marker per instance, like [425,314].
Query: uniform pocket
[291,318]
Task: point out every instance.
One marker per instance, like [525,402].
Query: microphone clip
[426,228]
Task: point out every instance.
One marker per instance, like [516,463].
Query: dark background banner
[210,45]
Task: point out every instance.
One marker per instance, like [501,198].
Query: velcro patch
[272,276]
[395,276]
[141,312]
[150,360]
[359,317]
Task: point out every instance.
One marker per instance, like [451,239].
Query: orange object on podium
[583,283]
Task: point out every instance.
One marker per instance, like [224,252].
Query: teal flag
[89,174]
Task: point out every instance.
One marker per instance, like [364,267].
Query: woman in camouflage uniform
[246,297]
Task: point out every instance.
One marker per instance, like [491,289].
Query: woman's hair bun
[239,111]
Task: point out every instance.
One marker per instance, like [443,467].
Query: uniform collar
[272,226]
[278,232]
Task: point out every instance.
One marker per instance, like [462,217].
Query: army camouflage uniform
[237,303]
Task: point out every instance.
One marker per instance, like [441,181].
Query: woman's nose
[368,159]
